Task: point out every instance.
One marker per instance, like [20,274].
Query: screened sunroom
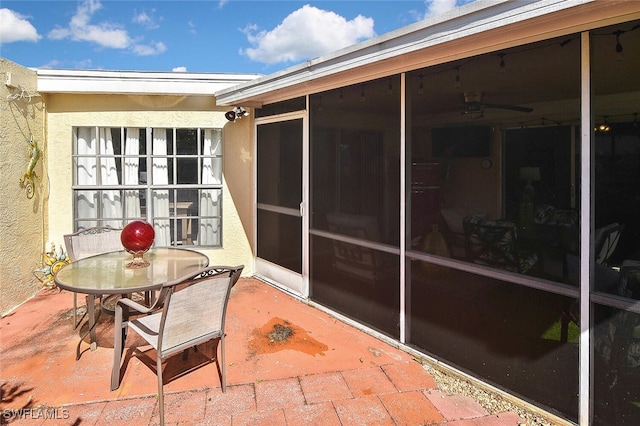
[468,187]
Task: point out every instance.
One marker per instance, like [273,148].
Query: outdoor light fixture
[236,113]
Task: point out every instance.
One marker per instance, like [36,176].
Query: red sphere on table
[137,236]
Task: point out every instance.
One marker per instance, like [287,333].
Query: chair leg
[91,309]
[160,390]
[119,337]
[223,369]
[75,310]
[564,328]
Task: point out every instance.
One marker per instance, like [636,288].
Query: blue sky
[227,36]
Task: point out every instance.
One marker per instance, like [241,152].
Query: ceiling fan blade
[509,107]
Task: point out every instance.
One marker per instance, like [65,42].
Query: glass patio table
[108,274]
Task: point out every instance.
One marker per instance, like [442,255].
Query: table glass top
[107,274]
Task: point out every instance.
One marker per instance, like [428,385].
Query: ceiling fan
[473,105]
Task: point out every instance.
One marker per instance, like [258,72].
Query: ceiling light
[619,48]
[503,65]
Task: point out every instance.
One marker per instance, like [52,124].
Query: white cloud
[16,27]
[80,64]
[437,7]
[306,33]
[149,49]
[147,20]
[179,69]
[105,34]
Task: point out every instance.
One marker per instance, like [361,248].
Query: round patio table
[107,274]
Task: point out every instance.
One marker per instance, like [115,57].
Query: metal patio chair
[188,311]
[90,242]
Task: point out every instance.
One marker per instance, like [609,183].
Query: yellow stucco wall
[65,111]
[22,220]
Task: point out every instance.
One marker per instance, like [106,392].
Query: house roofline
[136,82]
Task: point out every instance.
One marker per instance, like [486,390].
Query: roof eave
[134,82]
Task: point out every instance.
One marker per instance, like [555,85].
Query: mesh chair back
[92,241]
[194,309]
[606,241]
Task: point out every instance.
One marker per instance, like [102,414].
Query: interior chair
[90,242]
[605,280]
[188,311]
[605,242]
[493,243]
[454,230]
[354,260]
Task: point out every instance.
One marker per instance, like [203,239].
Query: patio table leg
[91,299]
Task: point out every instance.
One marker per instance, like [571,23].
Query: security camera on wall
[236,113]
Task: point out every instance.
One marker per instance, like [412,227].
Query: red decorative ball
[137,236]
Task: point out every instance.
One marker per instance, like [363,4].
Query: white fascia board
[134,82]
[463,22]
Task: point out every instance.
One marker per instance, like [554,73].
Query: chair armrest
[135,306]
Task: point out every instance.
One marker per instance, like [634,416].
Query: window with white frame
[170,177]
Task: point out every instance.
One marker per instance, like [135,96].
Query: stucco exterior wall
[65,111]
[22,220]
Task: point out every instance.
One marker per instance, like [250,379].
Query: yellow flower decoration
[52,261]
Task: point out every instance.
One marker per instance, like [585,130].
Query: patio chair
[493,243]
[357,261]
[90,242]
[188,311]
[606,241]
